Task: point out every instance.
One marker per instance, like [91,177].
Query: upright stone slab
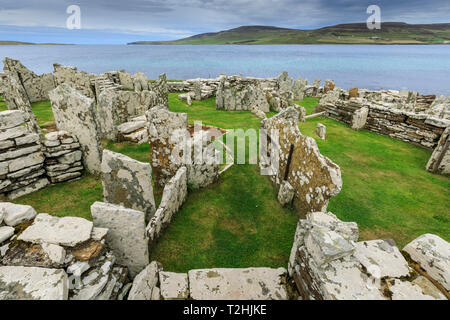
[314,177]
[321,131]
[166,131]
[76,114]
[359,118]
[107,114]
[161,92]
[126,235]
[128,183]
[440,159]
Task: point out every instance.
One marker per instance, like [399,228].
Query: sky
[122,21]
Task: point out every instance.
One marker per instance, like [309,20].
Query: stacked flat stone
[327,263]
[63,157]
[56,258]
[21,157]
[390,113]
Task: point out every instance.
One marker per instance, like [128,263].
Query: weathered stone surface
[384,256]
[348,230]
[56,253]
[145,282]
[29,188]
[173,286]
[76,114]
[126,235]
[99,234]
[428,288]
[79,80]
[403,290]
[65,231]
[326,245]
[353,93]
[238,284]
[286,193]
[314,177]
[359,118]
[15,214]
[321,131]
[128,183]
[440,159]
[107,115]
[12,118]
[174,195]
[30,283]
[166,131]
[6,233]
[35,86]
[432,253]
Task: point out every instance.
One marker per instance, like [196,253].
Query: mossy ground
[237,222]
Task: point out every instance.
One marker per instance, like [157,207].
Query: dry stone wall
[389,113]
[76,114]
[315,178]
[63,157]
[248,98]
[21,156]
[51,258]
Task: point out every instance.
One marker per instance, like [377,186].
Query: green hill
[351,33]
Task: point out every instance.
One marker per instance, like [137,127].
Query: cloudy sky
[121,21]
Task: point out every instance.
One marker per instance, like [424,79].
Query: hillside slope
[351,33]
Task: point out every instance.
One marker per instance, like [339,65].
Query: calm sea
[420,68]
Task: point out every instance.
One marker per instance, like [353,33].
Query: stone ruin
[249,98]
[401,115]
[172,146]
[313,177]
[45,257]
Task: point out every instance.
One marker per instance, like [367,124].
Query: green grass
[386,189]
[237,222]
[42,110]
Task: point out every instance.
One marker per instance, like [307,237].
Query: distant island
[20,43]
[351,33]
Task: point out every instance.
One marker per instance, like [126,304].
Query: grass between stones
[238,222]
